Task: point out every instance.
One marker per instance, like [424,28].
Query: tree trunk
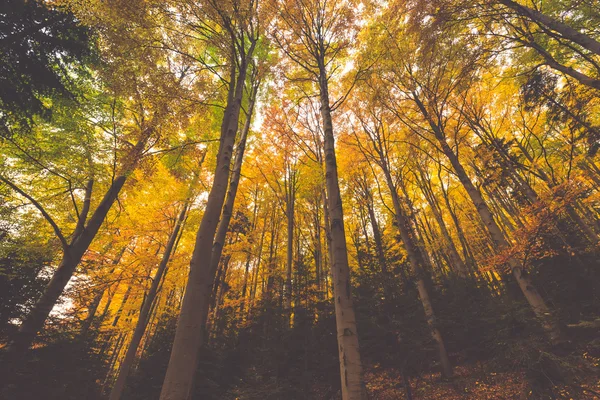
[258,263]
[318,252]
[234,181]
[289,212]
[417,262]
[565,30]
[455,259]
[531,294]
[87,323]
[218,292]
[190,332]
[353,385]
[142,322]
[34,321]
[329,260]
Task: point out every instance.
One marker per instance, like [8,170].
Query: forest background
[270,199]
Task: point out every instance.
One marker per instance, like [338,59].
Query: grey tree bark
[190,332]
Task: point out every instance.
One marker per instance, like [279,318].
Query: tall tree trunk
[329,260]
[113,359]
[249,255]
[92,309]
[377,238]
[87,323]
[142,322]
[190,332]
[234,181]
[318,249]
[415,258]
[258,263]
[121,306]
[353,385]
[289,212]
[455,260]
[218,292]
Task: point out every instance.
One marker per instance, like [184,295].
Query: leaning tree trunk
[457,262]
[353,385]
[82,238]
[93,308]
[190,332]
[565,30]
[415,258]
[535,300]
[142,321]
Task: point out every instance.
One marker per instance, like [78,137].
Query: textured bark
[140,327]
[353,386]
[190,332]
[234,181]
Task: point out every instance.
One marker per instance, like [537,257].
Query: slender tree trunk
[121,306]
[353,385]
[142,322]
[92,309]
[113,359]
[318,250]
[430,238]
[249,257]
[87,323]
[258,263]
[377,239]
[455,259]
[219,290]
[329,260]
[417,262]
[245,284]
[289,202]
[234,181]
[534,298]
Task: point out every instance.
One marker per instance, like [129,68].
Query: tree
[240,33]
[312,35]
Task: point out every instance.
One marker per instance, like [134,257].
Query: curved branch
[37,205]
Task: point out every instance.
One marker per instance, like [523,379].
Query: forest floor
[472,381]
